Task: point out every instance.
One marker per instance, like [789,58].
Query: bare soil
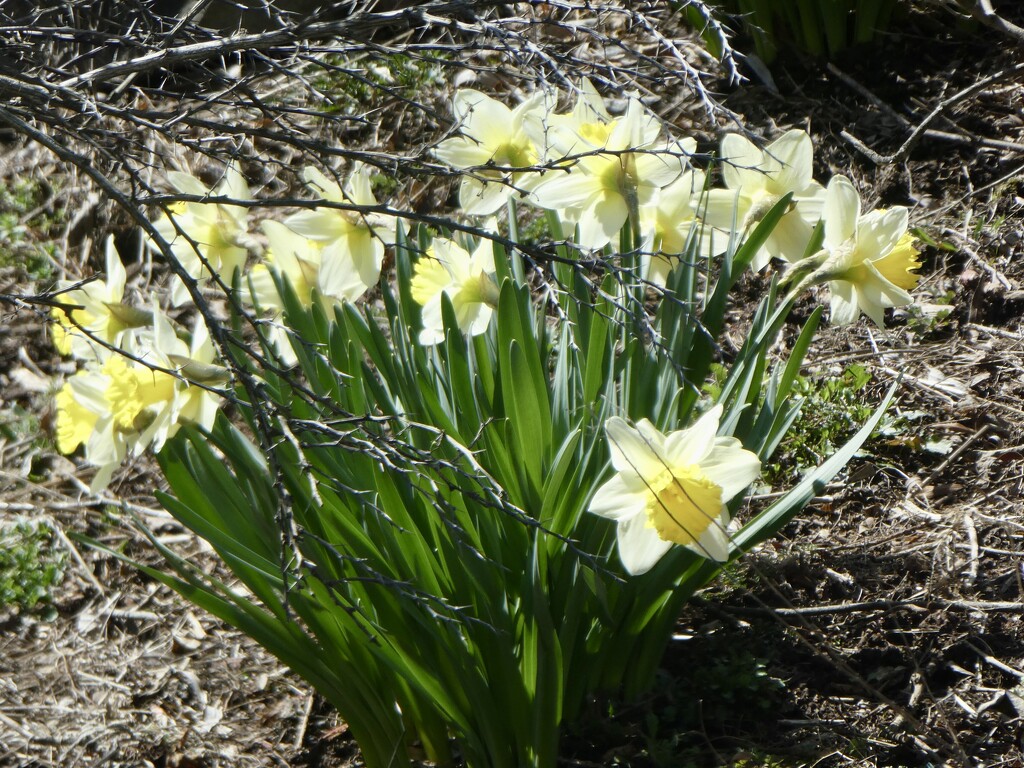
[884,628]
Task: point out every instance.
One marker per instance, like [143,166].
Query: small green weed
[834,407]
[17,423]
[30,566]
[28,228]
[932,317]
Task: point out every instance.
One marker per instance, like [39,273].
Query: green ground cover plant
[30,565]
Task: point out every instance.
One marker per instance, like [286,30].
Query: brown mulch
[884,628]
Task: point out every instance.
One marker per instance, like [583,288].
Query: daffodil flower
[299,260]
[494,137]
[352,241]
[447,269]
[868,261]
[613,169]
[672,489]
[113,411]
[199,374]
[667,225]
[295,258]
[586,126]
[80,404]
[292,256]
[206,238]
[756,180]
[126,405]
[102,316]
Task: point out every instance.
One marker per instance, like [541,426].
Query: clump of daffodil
[352,240]
[448,269]
[494,138]
[756,180]
[103,317]
[672,490]
[208,239]
[868,261]
[608,170]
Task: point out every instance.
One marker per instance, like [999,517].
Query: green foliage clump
[29,566]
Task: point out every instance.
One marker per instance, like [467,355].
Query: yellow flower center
[683,503]
[134,392]
[221,233]
[898,265]
[515,154]
[428,279]
[596,133]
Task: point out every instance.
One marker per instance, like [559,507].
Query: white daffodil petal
[339,278]
[640,547]
[462,152]
[810,203]
[479,115]
[483,198]
[359,188]
[620,498]
[566,190]
[730,466]
[630,451]
[841,212]
[843,303]
[692,445]
[186,183]
[741,162]
[472,316]
[714,543]
[790,238]
[879,231]
[321,185]
[322,225]
[655,170]
[889,295]
[791,159]
[116,275]
[724,209]
[869,304]
[233,185]
[601,223]
[366,254]
[433,322]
